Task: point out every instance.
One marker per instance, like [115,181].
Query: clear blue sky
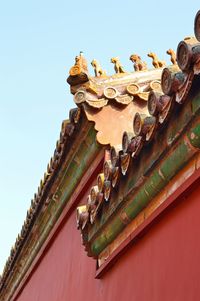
[39,40]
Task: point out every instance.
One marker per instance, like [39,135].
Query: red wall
[164,265]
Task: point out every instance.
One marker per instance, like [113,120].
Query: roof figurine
[117,65]
[79,66]
[79,72]
[98,71]
[138,64]
[155,61]
[172,54]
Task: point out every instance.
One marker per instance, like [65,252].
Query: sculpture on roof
[97,68]
[78,73]
[172,53]
[79,66]
[139,65]
[155,61]
[117,65]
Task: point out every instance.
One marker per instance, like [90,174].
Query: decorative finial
[79,66]
[78,73]
[97,68]
[139,65]
[172,53]
[155,61]
[117,65]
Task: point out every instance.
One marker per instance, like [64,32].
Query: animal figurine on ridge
[81,61]
[172,53]
[80,66]
[155,61]
[97,68]
[139,65]
[117,65]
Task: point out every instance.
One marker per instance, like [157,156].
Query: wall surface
[163,265]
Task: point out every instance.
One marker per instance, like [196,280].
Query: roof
[128,110]
[44,194]
[106,99]
[99,224]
